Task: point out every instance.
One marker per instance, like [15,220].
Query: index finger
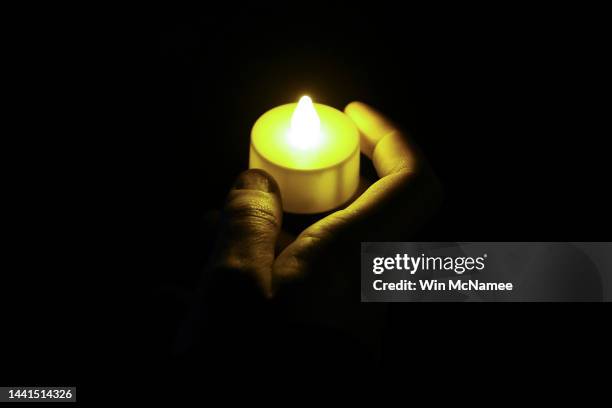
[380,140]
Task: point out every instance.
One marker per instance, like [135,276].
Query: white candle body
[314,179]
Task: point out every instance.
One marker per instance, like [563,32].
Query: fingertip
[368,119]
[372,125]
[362,110]
[381,140]
[256,179]
[354,108]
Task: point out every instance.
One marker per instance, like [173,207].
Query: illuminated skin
[394,206]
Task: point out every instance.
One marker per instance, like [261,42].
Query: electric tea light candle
[312,151]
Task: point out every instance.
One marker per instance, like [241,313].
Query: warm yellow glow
[305,132]
[312,151]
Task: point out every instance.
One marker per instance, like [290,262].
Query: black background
[506,104]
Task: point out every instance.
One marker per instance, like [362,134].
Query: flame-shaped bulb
[305,132]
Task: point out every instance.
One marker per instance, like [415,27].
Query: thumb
[250,224]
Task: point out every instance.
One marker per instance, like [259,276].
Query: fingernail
[255,179]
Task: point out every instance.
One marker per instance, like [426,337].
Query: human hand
[281,292]
[391,208]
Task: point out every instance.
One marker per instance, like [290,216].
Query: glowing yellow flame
[305,130]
